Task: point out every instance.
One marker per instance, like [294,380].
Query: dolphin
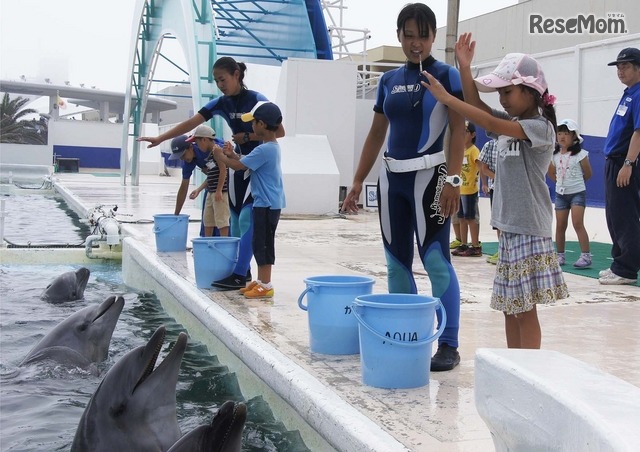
[134,407]
[224,434]
[81,339]
[68,286]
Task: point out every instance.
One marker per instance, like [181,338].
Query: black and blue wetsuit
[408,202]
[231,109]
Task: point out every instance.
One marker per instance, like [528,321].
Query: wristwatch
[247,138]
[627,162]
[454,180]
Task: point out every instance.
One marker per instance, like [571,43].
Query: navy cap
[264,111]
[178,147]
[628,55]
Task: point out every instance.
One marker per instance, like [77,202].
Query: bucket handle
[418,343]
[158,230]
[213,245]
[310,288]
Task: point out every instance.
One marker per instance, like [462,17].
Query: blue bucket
[171,231]
[332,328]
[214,258]
[396,332]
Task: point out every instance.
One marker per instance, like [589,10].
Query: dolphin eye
[117,410]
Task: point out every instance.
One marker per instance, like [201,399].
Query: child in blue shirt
[267,190]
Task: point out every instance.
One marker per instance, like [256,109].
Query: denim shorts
[468,206]
[565,202]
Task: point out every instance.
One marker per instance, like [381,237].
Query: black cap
[179,146]
[628,55]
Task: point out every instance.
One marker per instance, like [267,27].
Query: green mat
[601,257]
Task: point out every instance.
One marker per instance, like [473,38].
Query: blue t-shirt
[266,175]
[231,108]
[624,122]
[200,160]
[417,121]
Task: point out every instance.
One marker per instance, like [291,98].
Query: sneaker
[249,278]
[232,281]
[259,291]
[584,261]
[561,259]
[446,358]
[459,250]
[472,251]
[454,244]
[493,259]
[613,279]
[250,286]
[605,272]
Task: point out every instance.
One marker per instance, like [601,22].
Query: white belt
[416,164]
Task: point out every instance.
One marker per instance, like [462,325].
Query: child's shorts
[565,202]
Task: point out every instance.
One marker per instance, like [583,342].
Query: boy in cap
[191,157]
[215,210]
[622,175]
[267,190]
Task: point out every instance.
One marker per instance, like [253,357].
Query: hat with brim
[268,112]
[179,146]
[628,55]
[514,69]
[573,127]
[202,131]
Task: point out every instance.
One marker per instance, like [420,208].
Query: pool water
[41,218]
[41,404]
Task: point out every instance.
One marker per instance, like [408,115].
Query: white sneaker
[604,273]
[561,259]
[613,279]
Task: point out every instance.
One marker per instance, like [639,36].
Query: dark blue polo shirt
[200,161]
[625,121]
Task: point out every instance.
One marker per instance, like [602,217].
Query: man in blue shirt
[622,175]
[191,157]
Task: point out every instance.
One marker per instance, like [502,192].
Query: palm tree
[14,128]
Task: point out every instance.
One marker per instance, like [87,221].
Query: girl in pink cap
[527,272]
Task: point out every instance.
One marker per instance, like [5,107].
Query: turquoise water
[40,405]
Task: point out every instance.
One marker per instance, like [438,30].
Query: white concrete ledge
[344,427]
[535,400]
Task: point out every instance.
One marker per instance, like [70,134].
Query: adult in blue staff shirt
[191,157]
[622,175]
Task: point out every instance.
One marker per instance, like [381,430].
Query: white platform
[535,400]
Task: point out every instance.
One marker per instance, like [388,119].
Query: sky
[87,41]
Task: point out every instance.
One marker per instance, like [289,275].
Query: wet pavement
[597,324]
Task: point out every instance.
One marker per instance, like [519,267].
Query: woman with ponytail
[235,100]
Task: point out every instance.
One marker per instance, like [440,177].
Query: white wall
[586,89]
[507,30]
[318,97]
[67,133]
[310,175]
[26,154]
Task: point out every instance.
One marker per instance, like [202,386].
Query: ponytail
[231,66]
[545,105]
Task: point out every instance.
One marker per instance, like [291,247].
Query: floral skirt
[527,274]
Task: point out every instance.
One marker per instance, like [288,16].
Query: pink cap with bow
[514,69]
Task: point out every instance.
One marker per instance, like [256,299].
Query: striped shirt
[213,177]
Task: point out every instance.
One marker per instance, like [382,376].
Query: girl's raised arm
[465,49]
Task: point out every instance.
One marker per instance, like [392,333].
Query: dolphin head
[134,408]
[82,338]
[224,434]
[68,286]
